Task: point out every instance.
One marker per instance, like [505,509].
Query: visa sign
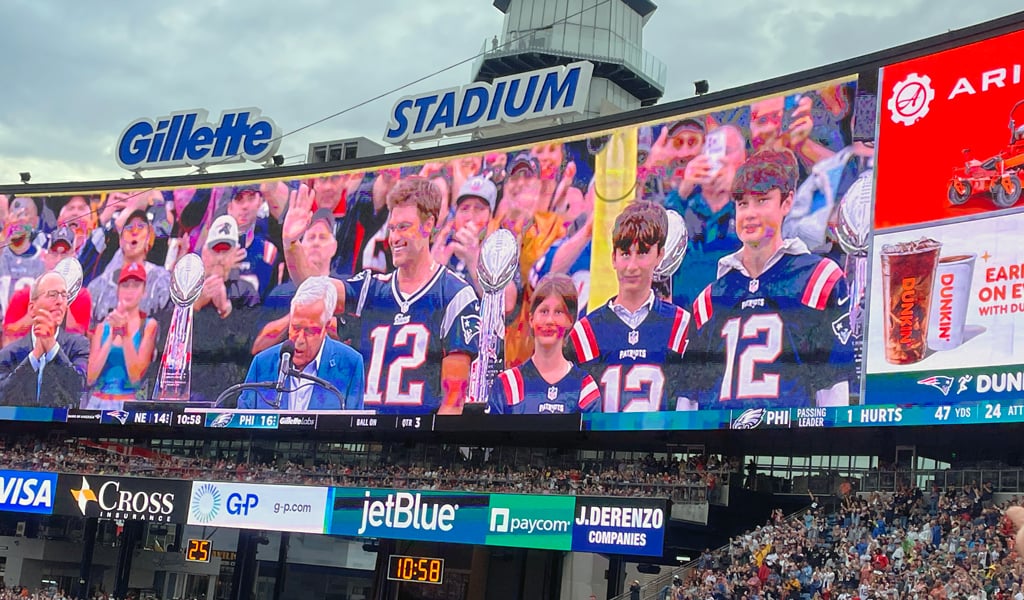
[186,138]
[541,93]
[27,492]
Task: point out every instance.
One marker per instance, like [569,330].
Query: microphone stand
[268,385]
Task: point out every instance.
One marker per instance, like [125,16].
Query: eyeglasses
[54,294]
[307,331]
[136,226]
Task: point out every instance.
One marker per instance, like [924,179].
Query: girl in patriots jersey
[774,327]
[634,344]
[547,383]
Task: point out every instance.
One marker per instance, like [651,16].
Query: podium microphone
[284,370]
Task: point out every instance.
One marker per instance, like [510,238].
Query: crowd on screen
[912,544]
[683,481]
[267,247]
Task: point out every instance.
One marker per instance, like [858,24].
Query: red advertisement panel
[951,136]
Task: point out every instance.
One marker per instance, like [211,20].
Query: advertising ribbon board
[255,506]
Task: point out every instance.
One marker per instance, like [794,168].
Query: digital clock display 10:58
[417,569]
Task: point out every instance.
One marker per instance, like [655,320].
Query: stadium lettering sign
[531,95]
[186,138]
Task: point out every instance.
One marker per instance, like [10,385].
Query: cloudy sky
[75,76]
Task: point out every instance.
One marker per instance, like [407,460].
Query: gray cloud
[77,75]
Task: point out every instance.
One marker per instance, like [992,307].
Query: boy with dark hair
[775,323]
[634,344]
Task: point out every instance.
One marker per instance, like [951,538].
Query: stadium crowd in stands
[912,544]
[689,480]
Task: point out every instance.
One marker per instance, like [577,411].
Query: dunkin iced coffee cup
[950,296]
[908,270]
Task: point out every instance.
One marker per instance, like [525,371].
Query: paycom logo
[531,521]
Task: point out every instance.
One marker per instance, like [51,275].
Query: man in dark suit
[46,367]
[315,354]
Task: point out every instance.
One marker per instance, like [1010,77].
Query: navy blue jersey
[522,391]
[637,369]
[777,339]
[403,338]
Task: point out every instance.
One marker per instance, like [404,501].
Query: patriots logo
[962,382]
[940,382]
[748,419]
[222,420]
[841,328]
[120,415]
[470,327]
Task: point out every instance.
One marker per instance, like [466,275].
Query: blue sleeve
[354,397]
[247,399]
[463,314]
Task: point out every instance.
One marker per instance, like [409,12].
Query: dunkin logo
[908,299]
[946,306]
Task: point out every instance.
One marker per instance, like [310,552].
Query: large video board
[721,269]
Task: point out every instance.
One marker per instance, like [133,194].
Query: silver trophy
[853,230]
[676,243]
[71,270]
[175,376]
[499,261]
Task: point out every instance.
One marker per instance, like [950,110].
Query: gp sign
[186,138]
[541,93]
[256,506]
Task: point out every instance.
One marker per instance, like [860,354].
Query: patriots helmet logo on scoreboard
[943,383]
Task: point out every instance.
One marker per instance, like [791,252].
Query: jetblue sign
[541,93]
[186,138]
[27,492]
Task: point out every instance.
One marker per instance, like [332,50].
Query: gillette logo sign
[27,492]
[502,521]
[541,93]
[186,138]
[403,510]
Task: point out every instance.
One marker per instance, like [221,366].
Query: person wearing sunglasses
[48,366]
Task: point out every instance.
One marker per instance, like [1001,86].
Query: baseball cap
[132,270]
[684,124]
[62,234]
[22,203]
[479,187]
[524,160]
[241,189]
[138,214]
[325,215]
[765,171]
[223,231]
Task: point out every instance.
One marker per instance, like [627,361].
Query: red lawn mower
[998,175]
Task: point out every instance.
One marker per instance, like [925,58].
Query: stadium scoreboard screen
[416,569]
[875,307]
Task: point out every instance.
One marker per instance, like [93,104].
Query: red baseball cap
[132,271]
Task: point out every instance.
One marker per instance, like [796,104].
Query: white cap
[223,230]
[479,187]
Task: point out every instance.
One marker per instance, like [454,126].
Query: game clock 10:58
[417,569]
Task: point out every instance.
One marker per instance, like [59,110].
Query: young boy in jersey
[634,344]
[775,323]
[547,383]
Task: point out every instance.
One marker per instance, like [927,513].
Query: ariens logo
[502,521]
[206,502]
[186,138]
